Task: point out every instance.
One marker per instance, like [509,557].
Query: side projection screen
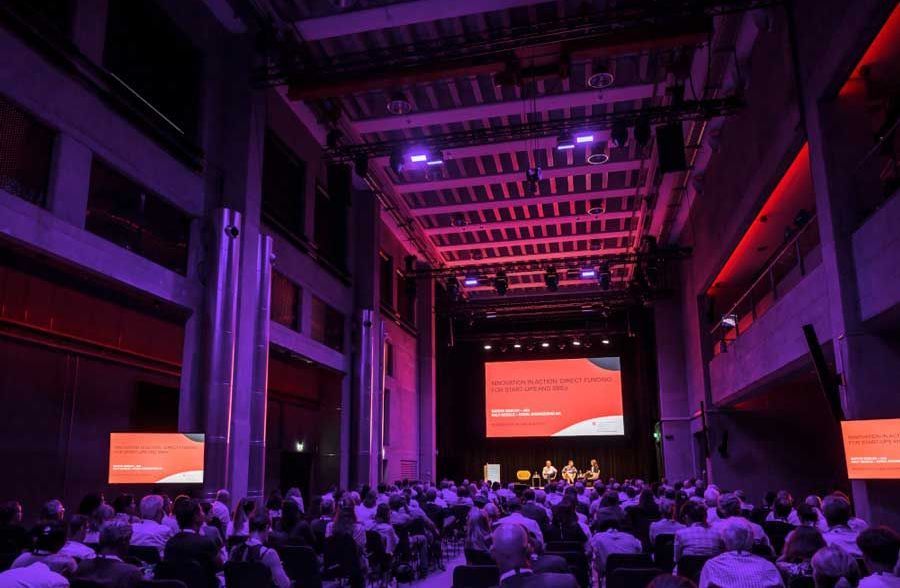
[155,458]
[872,449]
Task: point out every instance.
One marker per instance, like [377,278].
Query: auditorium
[468,294]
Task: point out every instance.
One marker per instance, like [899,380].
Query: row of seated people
[622,520]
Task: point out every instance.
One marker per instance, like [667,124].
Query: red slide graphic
[872,449]
[554,398]
[155,458]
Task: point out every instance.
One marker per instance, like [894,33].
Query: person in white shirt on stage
[549,472]
[570,472]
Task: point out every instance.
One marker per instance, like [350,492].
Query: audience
[478,531]
[799,548]
[737,566]
[383,526]
[75,547]
[880,547]
[730,508]
[13,536]
[837,516]
[108,568]
[254,550]
[511,551]
[149,531]
[668,524]
[833,567]
[189,544]
[49,539]
[609,539]
[697,538]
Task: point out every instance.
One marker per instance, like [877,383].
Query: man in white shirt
[221,508]
[50,538]
[516,517]
[880,547]
[737,567]
[837,515]
[667,525]
[365,512]
[611,540]
[75,546]
[149,531]
[36,575]
[549,472]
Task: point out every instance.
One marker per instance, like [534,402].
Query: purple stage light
[418,157]
[589,138]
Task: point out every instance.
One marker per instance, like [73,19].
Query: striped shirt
[697,540]
[740,569]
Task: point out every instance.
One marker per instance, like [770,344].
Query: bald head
[510,547]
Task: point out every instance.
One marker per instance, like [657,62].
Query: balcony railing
[798,256]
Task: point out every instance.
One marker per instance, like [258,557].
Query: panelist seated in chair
[593,473]
[549,472]
[570,472]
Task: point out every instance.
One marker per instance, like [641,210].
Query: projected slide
[554,398]
[155,458]
[872,449]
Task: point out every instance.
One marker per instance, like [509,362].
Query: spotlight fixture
[642,131]
[619,134]
[488,347]
[490,314]
[471,280]
[453,288]
[501,283]
[598,158]
[565,142]
[397,161]
[517,345]
[399,105]
[576,343]
[603,78]
[584,138]
[730,320]
[588,273]
[418,157]
[604,276]
[551,279]
[545,344]
[605,341]
[435,159]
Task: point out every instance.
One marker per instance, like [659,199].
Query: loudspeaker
[340,182]
[670,148]
[827,382]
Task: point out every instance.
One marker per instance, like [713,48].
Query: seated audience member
[221,507]
[609,539]
[697,538]
[13,536]
[532,510]
[239,525]
[75,546]
[345,522]
[295,495]
[643,514]
[880,547]
[711,500]
[730,508]
[149,530]
[292,529]
[807,516]
[516,517]
[49,538]
[668,524]
[189,544]
[854,522]
[90,503]
[108,569]
[737,566]
[837,516]
[254,549]
[125,509]
[365,511]
[608,508]
[104,514]
[478,531]
[382,525]
[799,547]
[835,568]
[37,575]
[273,505]
[510,549]
[783,509]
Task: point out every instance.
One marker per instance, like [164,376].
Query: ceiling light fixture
[517,345]
[488,347]
[418,157]
[576,343]
[545,345]
[399,105]
[603,78]
[584,138]
[605,341]
[588,273]
[565,142]
[598,158]
[471,280]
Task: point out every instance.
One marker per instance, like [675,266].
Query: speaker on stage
[670,148]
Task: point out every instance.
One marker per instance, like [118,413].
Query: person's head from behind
[605,524]
[801,544]
[528,495]
[836,510]
[510,548]
[10,513]
[807,515]
[383,514]
[224,497]
[53,510]
[737,535]
[670,581]
[610,499]
[50,537]
[835,568]
[90,503]
[880,547]
[327,508]
[188,513]
[693,513]
[124,504]
[477,520]
[78,527]
[115,537]
[152,508]
[782,507]
[711,497]
[647,501]
[396,501]
[372,497]
[259,525]
[729,506]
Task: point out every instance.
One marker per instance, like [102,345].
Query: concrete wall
[876,252]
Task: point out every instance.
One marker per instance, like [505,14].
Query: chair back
[476,576]
[477,557]
[802,582]
[86,583]
[561,546]
[144,553]
[523,475]
[689,566]
[632,577]
[578,563]
[236,540]
[301,565]
[190,572]
[777,531]
[664,552]
[247,574]
[627,560]
[342,559]
[161,584]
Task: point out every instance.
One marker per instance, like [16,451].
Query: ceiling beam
[541,221]
[398,15]
[507,108]
[536,257]
[526,201]
[568,283]
[548,173]
[533,241]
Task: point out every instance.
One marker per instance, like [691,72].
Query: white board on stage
[492,472]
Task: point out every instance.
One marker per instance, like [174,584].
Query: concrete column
[259,391]
[70,178]
[426,381]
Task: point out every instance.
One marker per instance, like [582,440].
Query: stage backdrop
[463,444]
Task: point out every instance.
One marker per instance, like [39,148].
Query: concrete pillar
[70,180]
[426,380]
[259,387]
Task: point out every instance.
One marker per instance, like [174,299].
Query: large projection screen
[872,449]
[554,398]
[155,458]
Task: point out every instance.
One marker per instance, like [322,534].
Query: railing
[799,255]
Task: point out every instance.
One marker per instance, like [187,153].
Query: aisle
[442,579]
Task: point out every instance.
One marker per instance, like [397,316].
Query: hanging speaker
[670,148]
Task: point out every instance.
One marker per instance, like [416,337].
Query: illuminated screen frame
[868,466]
[171,479]
[591,412]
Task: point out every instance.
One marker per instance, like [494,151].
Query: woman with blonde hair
[835,568]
